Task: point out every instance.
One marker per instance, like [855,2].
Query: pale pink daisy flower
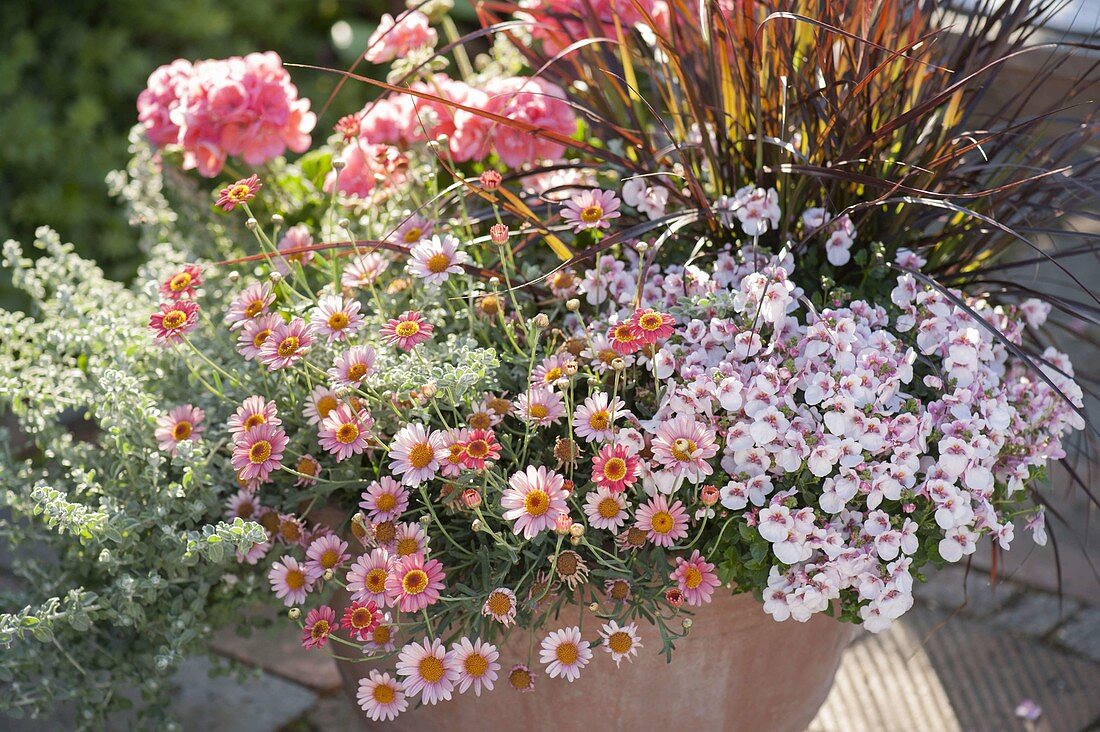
[415,453]
[477,664]
[594,420]
[605,509]
[251,303]
[296,239]
[428,670]
[591,209]
[381,696]
[413,583]
[364,270]
[320,403]
[291,581]
[255,333]
[326,552]
[534,500]
[178,425]
[411,230]
[696,578]
[434,260]
[384,500]
[258,451]
[521,678]
[621,641]
[254,411]
[383,639]
[490,412]
[336,318]
[344,432]
[174,320]
[183,283]
[453,443]
[360,619]
[407,331]
[663,524]
[319,625]
[367,577]
[308,469]
[351,367]
[287,344]
[602,354]
[290,529]
[684,446]
[551,371]
[410,537]
[243,504]
[501,606]
[615,467]
[565,653]
[540,406]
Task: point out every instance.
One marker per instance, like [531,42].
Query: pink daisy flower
[291,581]
[454,443]
[180,424]
[243,504]
[481,447]
[650,326]
[413,583]
[550,371]
[351,367]
[252,303]
[255,333]
[255,553]
[320,403]
[410,538]
[308,469]
[367,578]
[621,641]
[415,454]
[623,341]
[320,623]
[615,467]
[684,446]
[239,193]
[696,578]
[383,639]
[428,670]
[605,509]
[381,696]
[565,653]
[434,260]
[591,209]
[539,406]
[663,524]
[184,283]
[408,331]
[344,432]
[326,552]
[287,344]
[363,270]
[174,320]
[360,619]
[384,500]
[258,451]
[411,230]
[296,239]
[534,500]
[594,420]
[477,664]
[336,317]
[254,411]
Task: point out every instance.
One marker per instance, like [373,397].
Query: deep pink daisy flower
[591,209]
[651,326]
[534,500]
[408,331]
[344,432]
[182,423]
[255,333]
[336,317]
[385,500]
[664,524]
[254,411]
[696,578]
[367,577]
[684,446]
[258,451]
[287,344]
[414,583]
[361,618]
[252,303]
[183,283]
[615,467]
[174,320]
[481,448]
[351,367]
[239,193]
[319,625]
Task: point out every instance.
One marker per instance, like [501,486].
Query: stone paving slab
[1036,614]
[1082,635]
[278,651]
[971,593]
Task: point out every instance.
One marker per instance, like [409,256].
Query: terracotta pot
[737,670]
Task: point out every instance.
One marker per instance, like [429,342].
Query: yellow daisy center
[381,635]
[383,694]
[259,452]
[614,469]
[520,678]
[480,421]
[174,319]
[438,263]
[180,282]
[347,434]
[295,579]
[476,665]
[239,194]
[406,328]
[385,502]
[385,532]
[553,375]
[414,582]
[662,522]
[181,431]
[608,508]
[567,653]
[431,669]
[376,580]
[591,214]
[650,321]
[477,448]
[357,371]
[326,404]
[361,617]
[260,337]
[692,578]
[329,558]
[499,603]
[338,320]
[620,642]
[288,346]
[307,467]
[421,455]
[412,234]
[600,420]
[406,546]
[319,630]
[538,411]
[536,503]
[606,356]
[254,420]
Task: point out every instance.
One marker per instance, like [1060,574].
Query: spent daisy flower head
[570,568]
[287,344]
[664,524]
[477,664]
[521,678]
[434,260]
[594,420]
[361,618]
[255,333]
[173,321]
[615,468]
[320,403]
[254,411]
[336,317]
[367,577]
[617,590]
[415,453]
[385,499]
[258,451]
[540,406]
[308,469]
[351,367]
[407,331]
[242,504]
[241,192]
[501,606]
[605,509]
[320,624]
[696,578]
[253,302]
[326,552]
[534,500]
[362,271]
[179,424]
[565,653]
[684,446]
[183,283]
[344,432]
[413,583]
[428,670]
[291,581]
[290,529]
[381,696]
[591,209]
[621,641]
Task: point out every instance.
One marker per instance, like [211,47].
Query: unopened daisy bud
[343,223]
[642,247]
[277,219]
[687,623]
[593,381]
[576,530]
[498,233]
[490,179]
[618,364]
[674,597]
[593,606]
[570,368]
[294,613]
[494,282]
[540,321]
[328,575]
[563,524]
[339,164]
[572,304]
[575,540]
[471,498]
[708,495]
[475,526]
[251,223]
[426,519]
[234,276]
[429,390]
[275,277]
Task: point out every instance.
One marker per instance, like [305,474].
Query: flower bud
[568,486]
[490,179]
[593,606]
[708,495]
[277,219]
[234,276]
[563,524]
[343,223]
[687,623]
[328,575]
[494,282]
[471,498]
[475,526]
[674,597]
[499,233]
[572,304]
[339,164]
[576,530]
[251,223]
[294,613]
[642,247]
[275,277]
[575,540]
[618,364]
[429,390]
[426,520]
[570,368]
[540,321]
